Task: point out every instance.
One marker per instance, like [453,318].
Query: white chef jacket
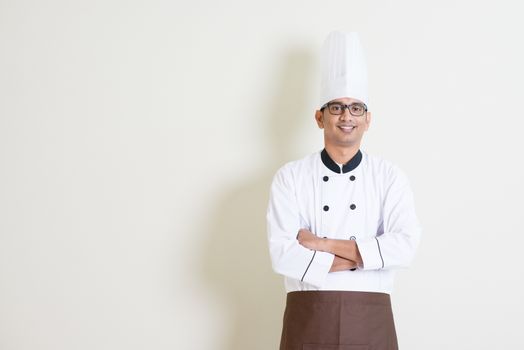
[368,199]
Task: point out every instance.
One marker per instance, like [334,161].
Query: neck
[342,155]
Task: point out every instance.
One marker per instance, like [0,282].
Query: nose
[345,114]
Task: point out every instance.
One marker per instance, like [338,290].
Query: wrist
[323,244]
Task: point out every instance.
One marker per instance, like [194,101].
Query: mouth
[346,128]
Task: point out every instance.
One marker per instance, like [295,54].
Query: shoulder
[290,170]
[384,168]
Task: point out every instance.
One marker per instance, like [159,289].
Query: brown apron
[338,320]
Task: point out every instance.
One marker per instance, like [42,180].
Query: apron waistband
[321,296]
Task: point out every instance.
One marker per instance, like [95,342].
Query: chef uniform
[369,200]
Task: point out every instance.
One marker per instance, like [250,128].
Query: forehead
[346,100]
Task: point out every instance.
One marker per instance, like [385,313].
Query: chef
[341,221]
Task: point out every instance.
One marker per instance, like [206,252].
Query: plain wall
[138,140]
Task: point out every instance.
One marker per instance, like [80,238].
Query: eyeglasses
[337,108]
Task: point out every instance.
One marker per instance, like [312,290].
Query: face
[343,130]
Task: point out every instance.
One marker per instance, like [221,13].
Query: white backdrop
[138,140]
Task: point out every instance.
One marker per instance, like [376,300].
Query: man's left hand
[308,239]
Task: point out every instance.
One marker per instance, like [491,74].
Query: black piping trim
[381,258]
[304,275]
[346,168]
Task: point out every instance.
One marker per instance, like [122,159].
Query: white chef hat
[343,68]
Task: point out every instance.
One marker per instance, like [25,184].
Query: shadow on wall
[236,263]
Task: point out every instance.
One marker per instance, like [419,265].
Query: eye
[357,108]
[336,107]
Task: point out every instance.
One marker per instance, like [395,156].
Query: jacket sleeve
[396,245]
[288,257]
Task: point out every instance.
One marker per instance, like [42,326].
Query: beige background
[138,140]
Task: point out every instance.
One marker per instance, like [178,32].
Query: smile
[346,128]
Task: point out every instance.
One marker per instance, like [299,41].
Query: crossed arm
[346,252]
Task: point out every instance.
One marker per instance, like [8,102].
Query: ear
[319,117]
[368,121]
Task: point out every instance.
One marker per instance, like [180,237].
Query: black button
[325,178]
[326,208]
[352,206]
[352,178]
[352,238]
[353,269]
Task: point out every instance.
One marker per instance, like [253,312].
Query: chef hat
[343,68]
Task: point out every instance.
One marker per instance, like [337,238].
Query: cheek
[364,125]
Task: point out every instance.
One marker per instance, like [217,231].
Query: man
[340,221]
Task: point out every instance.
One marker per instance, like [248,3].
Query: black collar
[331,165]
